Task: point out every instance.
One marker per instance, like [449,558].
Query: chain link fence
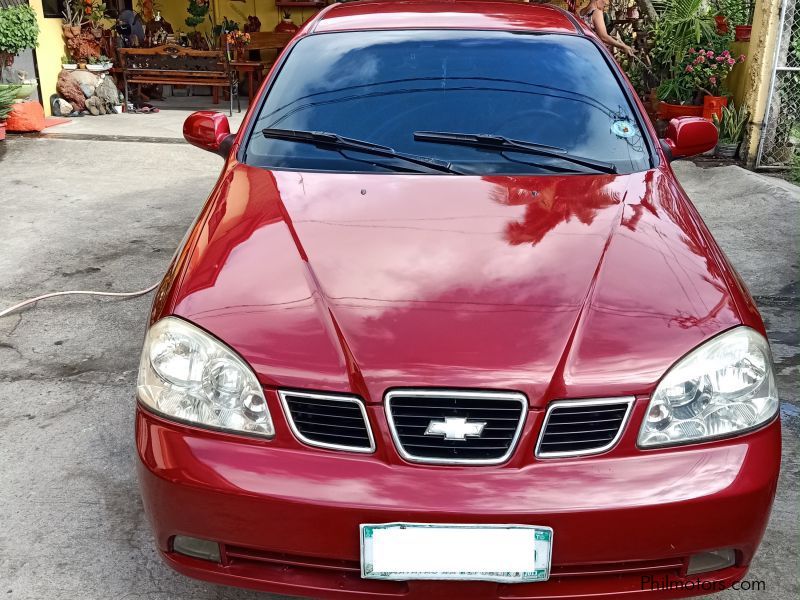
[780,140]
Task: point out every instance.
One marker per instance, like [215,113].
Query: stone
[63,107]
[83,77]
[94,104]
[70,91]
[107,91]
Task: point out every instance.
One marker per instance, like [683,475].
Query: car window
[382,86]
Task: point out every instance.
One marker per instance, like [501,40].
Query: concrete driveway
[71,521]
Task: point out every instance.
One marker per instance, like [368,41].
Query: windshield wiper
[501,144]
[334,141]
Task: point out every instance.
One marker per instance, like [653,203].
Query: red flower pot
[286,26]
[722,24]
[667,111]
[712,105]
[743,33]
[2,130]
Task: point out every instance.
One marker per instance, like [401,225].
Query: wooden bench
[174,65]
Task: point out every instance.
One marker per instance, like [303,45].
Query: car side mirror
[209,130]
[688,136]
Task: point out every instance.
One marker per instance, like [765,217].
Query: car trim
[445,393]
[569,16]
[629,400]
[333,397]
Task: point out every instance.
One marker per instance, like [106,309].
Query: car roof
[444,14]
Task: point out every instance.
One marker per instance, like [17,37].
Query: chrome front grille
[577,427]
[328,421]
[455,427]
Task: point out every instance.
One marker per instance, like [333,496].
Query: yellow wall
[766,25]
[48,53]
[737,80]
[174,11]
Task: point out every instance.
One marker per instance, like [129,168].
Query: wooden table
[253,69]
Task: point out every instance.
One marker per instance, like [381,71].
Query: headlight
[723,387]
[186,374]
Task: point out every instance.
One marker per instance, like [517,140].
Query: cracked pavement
[71,521]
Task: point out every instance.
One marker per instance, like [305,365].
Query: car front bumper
[287,519]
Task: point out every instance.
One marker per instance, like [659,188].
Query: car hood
[567,286]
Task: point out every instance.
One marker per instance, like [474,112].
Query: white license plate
[407,551]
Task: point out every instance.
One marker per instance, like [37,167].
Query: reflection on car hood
[562,286]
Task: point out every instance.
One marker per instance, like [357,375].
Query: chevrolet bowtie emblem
[455,428]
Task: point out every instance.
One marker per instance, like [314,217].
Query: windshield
[383,86]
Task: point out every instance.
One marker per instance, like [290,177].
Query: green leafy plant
[674,27]
[677,90]
[198,10]
[731,126]
[681,24]
[7,96]
[95,11]
[19,31]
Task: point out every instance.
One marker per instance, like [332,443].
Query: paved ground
[71,524]
[165,125]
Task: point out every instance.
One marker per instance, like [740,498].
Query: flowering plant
[706,71]
[238,39]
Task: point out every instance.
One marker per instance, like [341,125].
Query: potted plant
[67,63]
[699,84]
[676,27]
[197,9]
[19,30]
[237,41]
[96,11]
[739,15]
[744,29]
[8,95]
[73,18]
[99,63]
[731,130]
[286,25]
[93,64]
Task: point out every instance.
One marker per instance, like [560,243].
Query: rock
[86,80]
[107,91]
[82,77]
[70,91]
[63,107]
[94,104]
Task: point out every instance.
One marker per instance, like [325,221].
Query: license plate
[504,553]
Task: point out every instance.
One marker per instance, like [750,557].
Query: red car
[448,327]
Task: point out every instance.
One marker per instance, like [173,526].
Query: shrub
[19,29]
